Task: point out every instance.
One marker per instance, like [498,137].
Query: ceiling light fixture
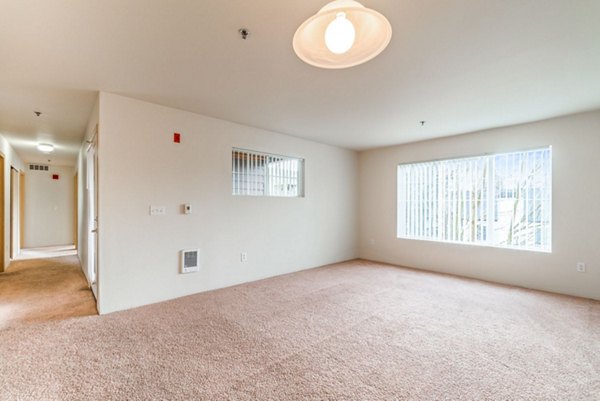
[344,33]
[45,147]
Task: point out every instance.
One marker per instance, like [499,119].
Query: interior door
[2,200]
[14,212]
[92,216]
[21,210]
[75,211]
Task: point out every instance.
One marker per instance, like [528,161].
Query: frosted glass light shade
[45,147]
[372,34]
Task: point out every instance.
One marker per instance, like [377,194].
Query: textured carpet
[351,331]
[44,289]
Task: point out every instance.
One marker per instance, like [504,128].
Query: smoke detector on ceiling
[244,33]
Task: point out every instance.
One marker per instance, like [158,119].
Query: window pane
[522,200]
[500,200]
[263,174]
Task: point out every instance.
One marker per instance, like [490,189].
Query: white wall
[575,144]
[10,159]
[139,166]
[49,207]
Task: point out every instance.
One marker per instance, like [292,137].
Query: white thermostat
[189,260]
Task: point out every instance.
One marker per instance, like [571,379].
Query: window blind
[264,174]
[500,200]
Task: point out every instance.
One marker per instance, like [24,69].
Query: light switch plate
[157,210]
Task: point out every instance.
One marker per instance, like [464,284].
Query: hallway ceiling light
[45,147]
[344,33]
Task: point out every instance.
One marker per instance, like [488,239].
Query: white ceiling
[461,65]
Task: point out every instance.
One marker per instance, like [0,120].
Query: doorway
[75,210]
[2,214]
[21,209]
[14,212]
[92,214]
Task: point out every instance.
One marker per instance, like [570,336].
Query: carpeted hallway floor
[39,290]
[350,331]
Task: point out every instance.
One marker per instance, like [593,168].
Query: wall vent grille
[38,167]
[189,261]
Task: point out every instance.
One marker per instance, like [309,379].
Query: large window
[264,174]
[502,200]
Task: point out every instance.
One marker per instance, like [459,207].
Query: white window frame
[493,208]
[255,175]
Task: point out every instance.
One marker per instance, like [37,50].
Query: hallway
[39,290]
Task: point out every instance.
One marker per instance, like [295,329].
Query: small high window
[264,174]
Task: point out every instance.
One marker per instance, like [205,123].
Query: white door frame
[15,191]
[92,213]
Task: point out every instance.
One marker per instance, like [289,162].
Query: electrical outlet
[371,241]
[581,267]
[157,210]
[243,257]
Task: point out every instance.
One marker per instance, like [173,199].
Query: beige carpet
[44,289]
[351,331]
